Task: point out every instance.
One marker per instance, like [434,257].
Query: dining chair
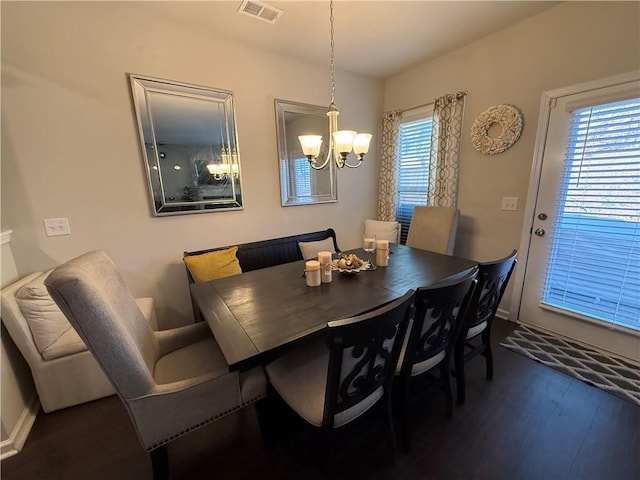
[171,382]
[439,310]
[434,229]
[333,380]
[493,278]
[383,230]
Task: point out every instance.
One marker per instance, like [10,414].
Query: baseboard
[20,432]
[504,315]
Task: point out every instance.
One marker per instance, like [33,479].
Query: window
[302,174]
[299,184]
[414,148]
[595,258]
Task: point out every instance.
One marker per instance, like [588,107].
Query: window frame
[403,215]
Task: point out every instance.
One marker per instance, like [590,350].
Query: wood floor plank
[529,422]
[614,424]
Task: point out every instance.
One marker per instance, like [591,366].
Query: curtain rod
[456,95]
[418,107]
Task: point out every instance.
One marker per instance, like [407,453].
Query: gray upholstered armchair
[172,381]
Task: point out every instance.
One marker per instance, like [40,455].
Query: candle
[312,273]
[324,257]
[325,266]
[382,253]
[369,244]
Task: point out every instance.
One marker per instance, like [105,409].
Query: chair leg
[445,372]
[160,463]
[459,368]
[403,406]
[392,431]
[331,464]
[266,411]
[488,354]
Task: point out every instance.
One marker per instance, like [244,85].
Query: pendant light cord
[333,76]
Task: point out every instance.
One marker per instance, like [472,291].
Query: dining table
[257,315]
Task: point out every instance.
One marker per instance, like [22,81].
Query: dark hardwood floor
[530,422]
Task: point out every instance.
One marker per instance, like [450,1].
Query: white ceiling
[372,38]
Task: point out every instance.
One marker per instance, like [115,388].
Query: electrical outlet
[56,226]
[510,203]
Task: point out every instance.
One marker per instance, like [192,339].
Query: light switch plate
[56,226]
[510,203]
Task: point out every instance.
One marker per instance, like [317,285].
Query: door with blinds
[582,277]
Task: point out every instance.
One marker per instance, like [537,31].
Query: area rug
[595,368]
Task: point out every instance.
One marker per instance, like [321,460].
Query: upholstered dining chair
[170,381]
[438,315]
[475,334]
[383,230]
[336,379]
[434,229]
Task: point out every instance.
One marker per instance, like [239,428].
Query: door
[586,217]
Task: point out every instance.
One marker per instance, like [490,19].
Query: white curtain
[387,180]
[445,150]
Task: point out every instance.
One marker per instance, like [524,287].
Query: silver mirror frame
[289,151]
[162,111]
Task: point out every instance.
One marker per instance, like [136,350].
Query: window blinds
[594,267]
[302,174]
[414,147]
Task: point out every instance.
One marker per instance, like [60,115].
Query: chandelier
[227,166]
[341,142]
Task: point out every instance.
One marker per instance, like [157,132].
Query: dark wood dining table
[257,315]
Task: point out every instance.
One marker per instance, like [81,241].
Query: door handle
[539,232]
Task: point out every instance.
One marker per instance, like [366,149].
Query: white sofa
[64,371]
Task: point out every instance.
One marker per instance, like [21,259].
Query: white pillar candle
[383,244]
[382,253]
[312,273]
[325,266]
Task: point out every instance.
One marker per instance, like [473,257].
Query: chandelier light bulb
[344,141]
[361,144]
[310,145]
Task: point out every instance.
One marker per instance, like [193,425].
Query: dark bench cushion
[267,253]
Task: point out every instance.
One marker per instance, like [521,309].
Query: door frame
[548,99]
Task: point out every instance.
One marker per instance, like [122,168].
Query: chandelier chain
[333,76]
[340,142]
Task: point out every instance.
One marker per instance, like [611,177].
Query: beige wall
[571,43]
[568,44]
[70,146]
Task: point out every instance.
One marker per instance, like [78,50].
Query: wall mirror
[190,146]
[299,183]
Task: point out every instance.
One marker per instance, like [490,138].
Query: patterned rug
[595,368]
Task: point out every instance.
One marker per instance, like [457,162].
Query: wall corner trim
[20,432]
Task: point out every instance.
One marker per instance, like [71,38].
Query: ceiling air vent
[260,10]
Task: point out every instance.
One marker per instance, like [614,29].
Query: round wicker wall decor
[510,120]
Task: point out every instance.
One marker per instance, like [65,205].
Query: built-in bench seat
[267,253]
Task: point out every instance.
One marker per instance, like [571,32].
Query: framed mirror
[189,144]
[299,183]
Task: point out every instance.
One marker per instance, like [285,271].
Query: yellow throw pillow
[212,265]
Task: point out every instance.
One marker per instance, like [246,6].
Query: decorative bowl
[351,264]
